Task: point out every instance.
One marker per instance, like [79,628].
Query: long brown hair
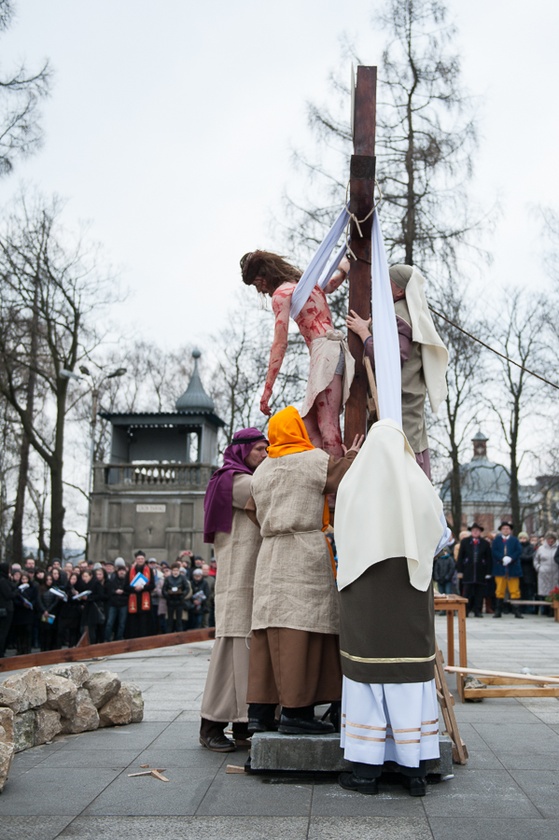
[275,269]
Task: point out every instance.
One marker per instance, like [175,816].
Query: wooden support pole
[361,189]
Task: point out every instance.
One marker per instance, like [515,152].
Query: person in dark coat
[176,589]
[529,580]
[48,606]
[92,607]
[7,597]
[444,572]
[474,568]
[117,604]
[69,614]
[25,606]
[197,604]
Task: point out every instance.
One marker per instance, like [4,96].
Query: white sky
[171,123]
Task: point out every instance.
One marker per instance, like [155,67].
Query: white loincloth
[389,722]
[325,355]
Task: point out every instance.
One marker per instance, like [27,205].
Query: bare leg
[311,424]
[327,405]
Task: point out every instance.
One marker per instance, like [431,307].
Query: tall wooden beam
[361,186]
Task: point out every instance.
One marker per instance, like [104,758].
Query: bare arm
[338,277]
[281,303]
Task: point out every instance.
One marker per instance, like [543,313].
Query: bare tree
[50,289]
[20,95]
[521,332]
[466,377]
[426,136]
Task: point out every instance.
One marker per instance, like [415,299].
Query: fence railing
[152,475]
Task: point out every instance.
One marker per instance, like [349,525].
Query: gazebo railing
[151,475]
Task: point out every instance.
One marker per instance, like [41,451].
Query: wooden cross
[361,189]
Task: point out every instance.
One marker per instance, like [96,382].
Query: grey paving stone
[185,828]
[506,828]
[481,758]
[245,795]
[39,792]
[147,796]
[113,759]
[543,789]
[330,800]
[370,828]
[190,715]
[481,793]
[158,715]
[529,761]
[532,737]
[28,828]
[136,735]
[486,713]
[194,758]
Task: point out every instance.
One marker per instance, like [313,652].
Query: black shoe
[478,615]
[256,725]
[416,785]
[349,781]
[217,743]
[298,726]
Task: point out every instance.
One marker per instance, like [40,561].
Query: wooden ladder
[446,702]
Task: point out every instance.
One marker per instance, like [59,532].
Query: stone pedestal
[320,753]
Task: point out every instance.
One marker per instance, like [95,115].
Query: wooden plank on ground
[529,678]
[79,654]
[517,691]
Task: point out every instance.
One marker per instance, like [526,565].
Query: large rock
[6,756]
[31,686]
[76,672]
[47,726]
[118,711]
[85,717]
[61,695]
[24,731]
[137,702]
[6,726]
[11,698]
[102,686]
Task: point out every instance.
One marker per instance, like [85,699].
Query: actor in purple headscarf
[236,544]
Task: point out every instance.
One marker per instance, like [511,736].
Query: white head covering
[434,354]
[387,507]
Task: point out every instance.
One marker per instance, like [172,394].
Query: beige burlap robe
[294,584]
[236,555]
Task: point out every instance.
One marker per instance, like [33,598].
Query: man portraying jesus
[331,367]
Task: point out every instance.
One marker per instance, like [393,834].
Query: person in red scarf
[140,620]
[294,652]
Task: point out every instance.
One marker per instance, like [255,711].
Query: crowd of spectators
[51,606]
[538,570]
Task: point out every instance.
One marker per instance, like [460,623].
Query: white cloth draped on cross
[322,266]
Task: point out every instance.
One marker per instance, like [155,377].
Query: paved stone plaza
[78,786]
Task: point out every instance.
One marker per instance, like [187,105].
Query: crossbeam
[84,652]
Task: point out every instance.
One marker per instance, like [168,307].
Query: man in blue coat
[507,568]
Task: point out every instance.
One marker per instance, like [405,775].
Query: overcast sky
[170,127]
